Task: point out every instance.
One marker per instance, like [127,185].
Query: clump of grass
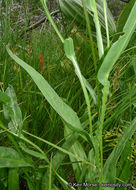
[101,108]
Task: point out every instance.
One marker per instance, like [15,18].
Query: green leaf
[111,162]
[16,117]
[69,48]
[30,185]
[51,96]
[13,179]
[73,9]
[4,98]
[92,6]
[124,165]
[58,159]
[118,47]
[70,53]
[77,150]
[31,152]
[91,173]
[90,90]
[124,15]
[9,158]
[3,173]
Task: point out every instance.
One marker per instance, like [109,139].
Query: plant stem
[98,29]
[90,35]
[51,20]
[106,22]
[61,149]
[93,51]
[104,99]
[85,94]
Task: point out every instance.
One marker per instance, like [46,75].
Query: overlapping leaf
[118,47]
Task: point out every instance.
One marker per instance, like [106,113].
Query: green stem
[106,22]
[51,20]
[19,151]
[93,50]
[85,95]
[104,99]
[26,140]
[90,35]
[61,149]
[20,76]
[98,29]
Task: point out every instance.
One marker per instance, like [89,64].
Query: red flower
[41,63]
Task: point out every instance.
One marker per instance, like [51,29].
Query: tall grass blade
[13,179]
[124,168]
[73,9]
[111,162]
[51,96]
[58,159]
[124,16]
[51,20]
[106,22]
[70,53]
[93,7]
[118,47]
[31,152]
[78,150]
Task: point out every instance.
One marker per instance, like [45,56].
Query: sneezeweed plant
[88,166]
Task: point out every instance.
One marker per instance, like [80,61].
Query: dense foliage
[67,95]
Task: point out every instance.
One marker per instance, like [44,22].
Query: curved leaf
[15,119]
[9,158]
[73,9]
[51,96]
[13,179]
[110,164]
[118,47]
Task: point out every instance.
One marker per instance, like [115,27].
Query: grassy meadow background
[41,48]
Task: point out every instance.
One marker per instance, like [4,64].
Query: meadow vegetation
[67,95]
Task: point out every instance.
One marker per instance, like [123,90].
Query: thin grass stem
[90,35]
[61,149]
[51,20]
[104,99]
[98,29]
[106,22]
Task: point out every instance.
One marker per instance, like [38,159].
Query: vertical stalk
[106,22]
[93,51]
[85,94]
[50,173]
[51,20]
[97,82]
[90,35]
[20,76]
[98,29]
[104,99]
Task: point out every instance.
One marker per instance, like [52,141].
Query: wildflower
[41,63]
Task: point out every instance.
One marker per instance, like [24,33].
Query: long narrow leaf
[16,121]
[110,164]
[73,9]
[51,96]
[93,7]
[118,47]
[9,158]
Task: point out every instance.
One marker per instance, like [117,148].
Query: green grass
[59,151]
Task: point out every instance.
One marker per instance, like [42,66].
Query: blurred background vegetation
[24,26]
